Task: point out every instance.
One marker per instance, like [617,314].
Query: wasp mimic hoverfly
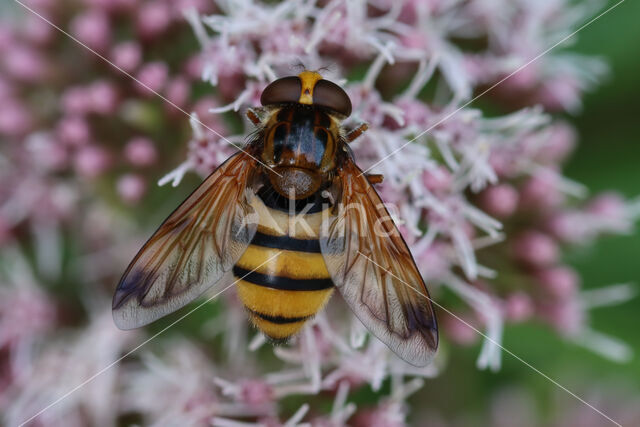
[292,218]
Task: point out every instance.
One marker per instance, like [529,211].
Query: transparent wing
[372,268]
[192,249]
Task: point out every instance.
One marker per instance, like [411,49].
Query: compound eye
[330,95]
[286,89]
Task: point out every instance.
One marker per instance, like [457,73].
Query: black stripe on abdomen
[286,242]
[280,320]
[282,283]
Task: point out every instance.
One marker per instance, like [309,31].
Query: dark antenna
[298,66]
[327,68]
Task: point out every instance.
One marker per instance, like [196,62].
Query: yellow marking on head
[276,302]
[309,80]
[284,263]
[276,330]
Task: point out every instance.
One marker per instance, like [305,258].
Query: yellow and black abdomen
[282,277]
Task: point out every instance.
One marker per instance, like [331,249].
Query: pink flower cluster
[65,110]
[481,200]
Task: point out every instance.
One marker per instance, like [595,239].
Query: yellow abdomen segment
[282,280]
[284,263]
[280,313]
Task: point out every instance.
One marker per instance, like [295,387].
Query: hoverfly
[298,166]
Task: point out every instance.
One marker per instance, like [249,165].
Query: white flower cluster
[435,151]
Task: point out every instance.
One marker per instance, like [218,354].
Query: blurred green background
[607,158]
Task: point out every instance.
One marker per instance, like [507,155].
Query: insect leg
[253,116]
[357,132]
[375,178]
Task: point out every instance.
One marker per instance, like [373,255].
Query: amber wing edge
[192,250]
[375,272]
